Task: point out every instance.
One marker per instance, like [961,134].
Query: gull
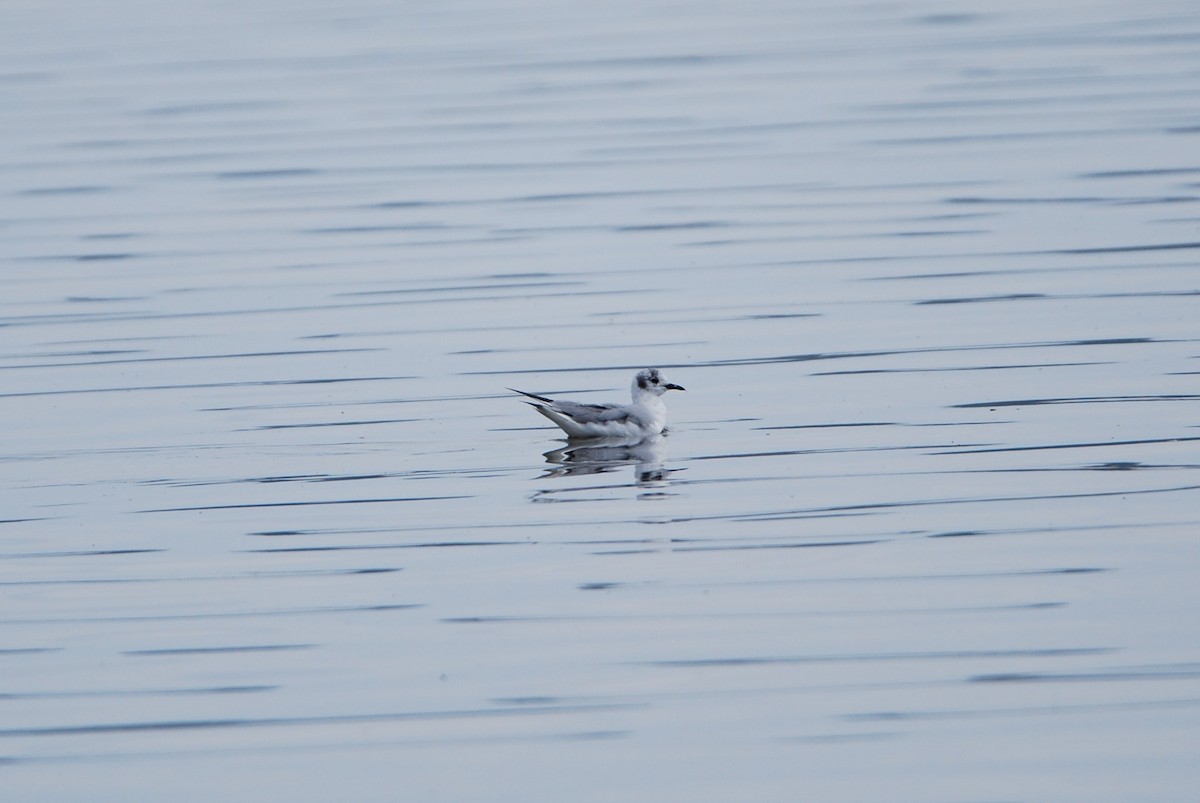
[645,417]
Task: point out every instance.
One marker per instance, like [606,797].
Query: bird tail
[571,427]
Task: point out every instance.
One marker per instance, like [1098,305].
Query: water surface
[923,527]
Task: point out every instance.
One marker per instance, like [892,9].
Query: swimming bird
[646,416]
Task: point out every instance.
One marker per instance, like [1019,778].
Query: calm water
[925,526]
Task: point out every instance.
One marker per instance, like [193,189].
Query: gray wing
[577,411]
[586,413]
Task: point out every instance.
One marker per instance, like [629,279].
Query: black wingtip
[532,395]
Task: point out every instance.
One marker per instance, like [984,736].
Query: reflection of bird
[605,454]
[646,416]
[602,455]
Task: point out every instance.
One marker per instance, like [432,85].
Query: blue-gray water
[925,526]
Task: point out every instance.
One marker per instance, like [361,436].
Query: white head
[650,381]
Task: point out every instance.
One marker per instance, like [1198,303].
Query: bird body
[645,416]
